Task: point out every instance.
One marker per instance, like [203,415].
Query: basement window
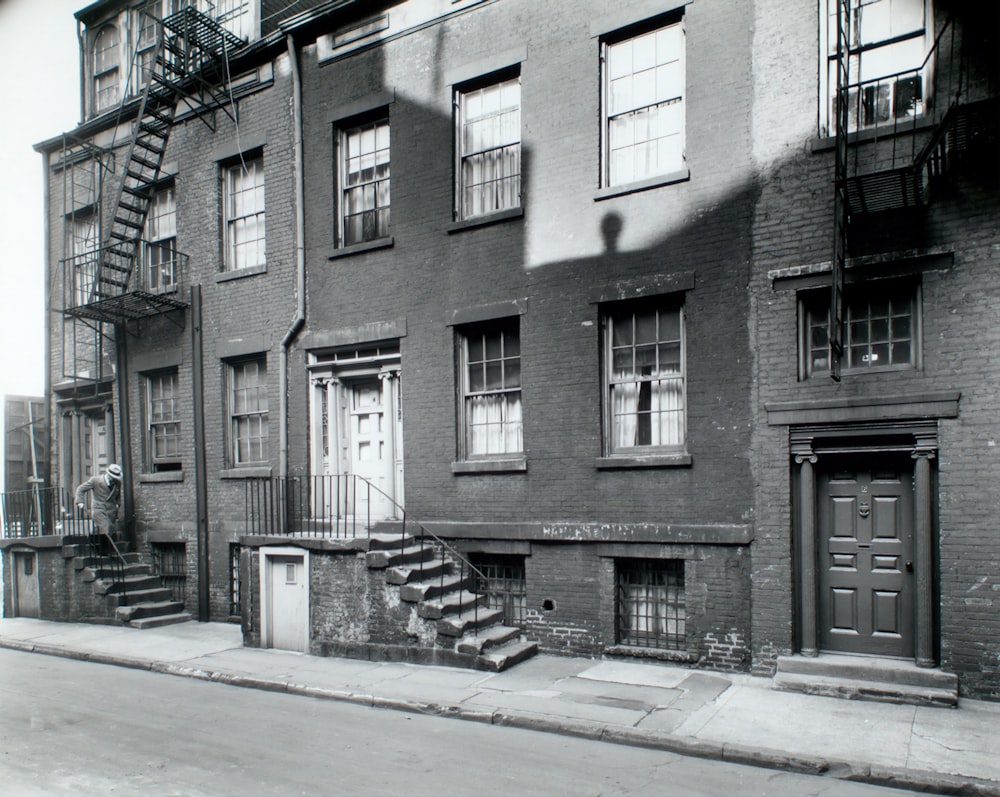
[650,608]
[501,580]
[170,564]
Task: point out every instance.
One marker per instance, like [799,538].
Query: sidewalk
[732,717]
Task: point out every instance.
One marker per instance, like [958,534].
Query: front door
[26,602]
[865,551]
[370,456]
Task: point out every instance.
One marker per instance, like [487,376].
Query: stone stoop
[471,634]
[875,678]
[140,601]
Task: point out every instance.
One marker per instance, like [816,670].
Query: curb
[891,777]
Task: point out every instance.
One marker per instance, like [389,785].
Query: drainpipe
[300,257]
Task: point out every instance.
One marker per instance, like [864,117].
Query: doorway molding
[811,443]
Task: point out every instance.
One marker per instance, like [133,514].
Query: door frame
[17,556]
[810,445]
[267,593]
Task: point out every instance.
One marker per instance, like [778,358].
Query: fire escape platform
[201,32]
[128,307]
[892,189]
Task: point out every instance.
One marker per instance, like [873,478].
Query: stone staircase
[140,600]
[469,633]
[866,678]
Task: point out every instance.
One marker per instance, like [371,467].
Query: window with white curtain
[248,427]
[644,378]
[643,108]
[364,181]
[491,389]
[243,203]
[489,147]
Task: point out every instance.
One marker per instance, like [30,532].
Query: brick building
[545,284]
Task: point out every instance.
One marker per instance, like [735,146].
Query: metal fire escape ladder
[190,63]
[841,208]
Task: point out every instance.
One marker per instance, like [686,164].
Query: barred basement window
[170,563]
[650,611]
[502,582]
[235,585]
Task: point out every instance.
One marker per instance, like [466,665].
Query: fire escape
[900,137]
[124,278]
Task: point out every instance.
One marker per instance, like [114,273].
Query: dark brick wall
[793,226]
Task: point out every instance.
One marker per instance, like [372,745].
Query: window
[501,580]
[880,328]
[236,16]
[170,564]
[651,606]
[364,182]
[644,378]
[161,242]
[248,411]
[244,213]
[489,148]
[888,43]
[163,421]
[643,112]
[145,25]
[84,245]
[491,389]
[106,60]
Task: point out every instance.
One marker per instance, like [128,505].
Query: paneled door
[865,551]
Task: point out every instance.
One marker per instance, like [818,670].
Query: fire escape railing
[340,507]
[45,511]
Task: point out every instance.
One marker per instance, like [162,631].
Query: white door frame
[267,594]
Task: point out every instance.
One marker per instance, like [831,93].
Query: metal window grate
[234,579]
[651,607]
[502,582]
[170,563]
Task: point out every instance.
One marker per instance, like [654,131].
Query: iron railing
[348,506]
[158,272]
[44,511]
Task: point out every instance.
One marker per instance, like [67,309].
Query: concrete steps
[469,633]
[875,678]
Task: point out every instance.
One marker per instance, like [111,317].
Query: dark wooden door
[865,548]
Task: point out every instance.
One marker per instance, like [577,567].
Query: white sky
[39,98]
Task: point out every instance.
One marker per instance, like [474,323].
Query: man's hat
[115,472]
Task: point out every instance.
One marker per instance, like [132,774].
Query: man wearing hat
[106,496]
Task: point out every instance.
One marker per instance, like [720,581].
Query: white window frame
[477,415]
[106,63]
[488,145]
[624,397]
[364,179]
[163,420]
[642,94]
[247,401]
[160,245]
[885,56]
[244,213]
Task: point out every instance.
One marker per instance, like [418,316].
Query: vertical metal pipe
[200,476]
[125,425]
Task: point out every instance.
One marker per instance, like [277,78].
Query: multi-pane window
[888,42]
[491,389]
[107,56]
[489,148]
[244,213]
[83,243]
[650,606]
[161,241]
[644,378]
[248,411]
[163,421]
[500,577]
[364,181]
[144,21]
[880,329]
[236,16]
[644,105]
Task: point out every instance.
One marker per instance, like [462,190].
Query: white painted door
[371,456]
[289,602]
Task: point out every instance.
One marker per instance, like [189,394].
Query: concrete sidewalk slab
[731,717]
